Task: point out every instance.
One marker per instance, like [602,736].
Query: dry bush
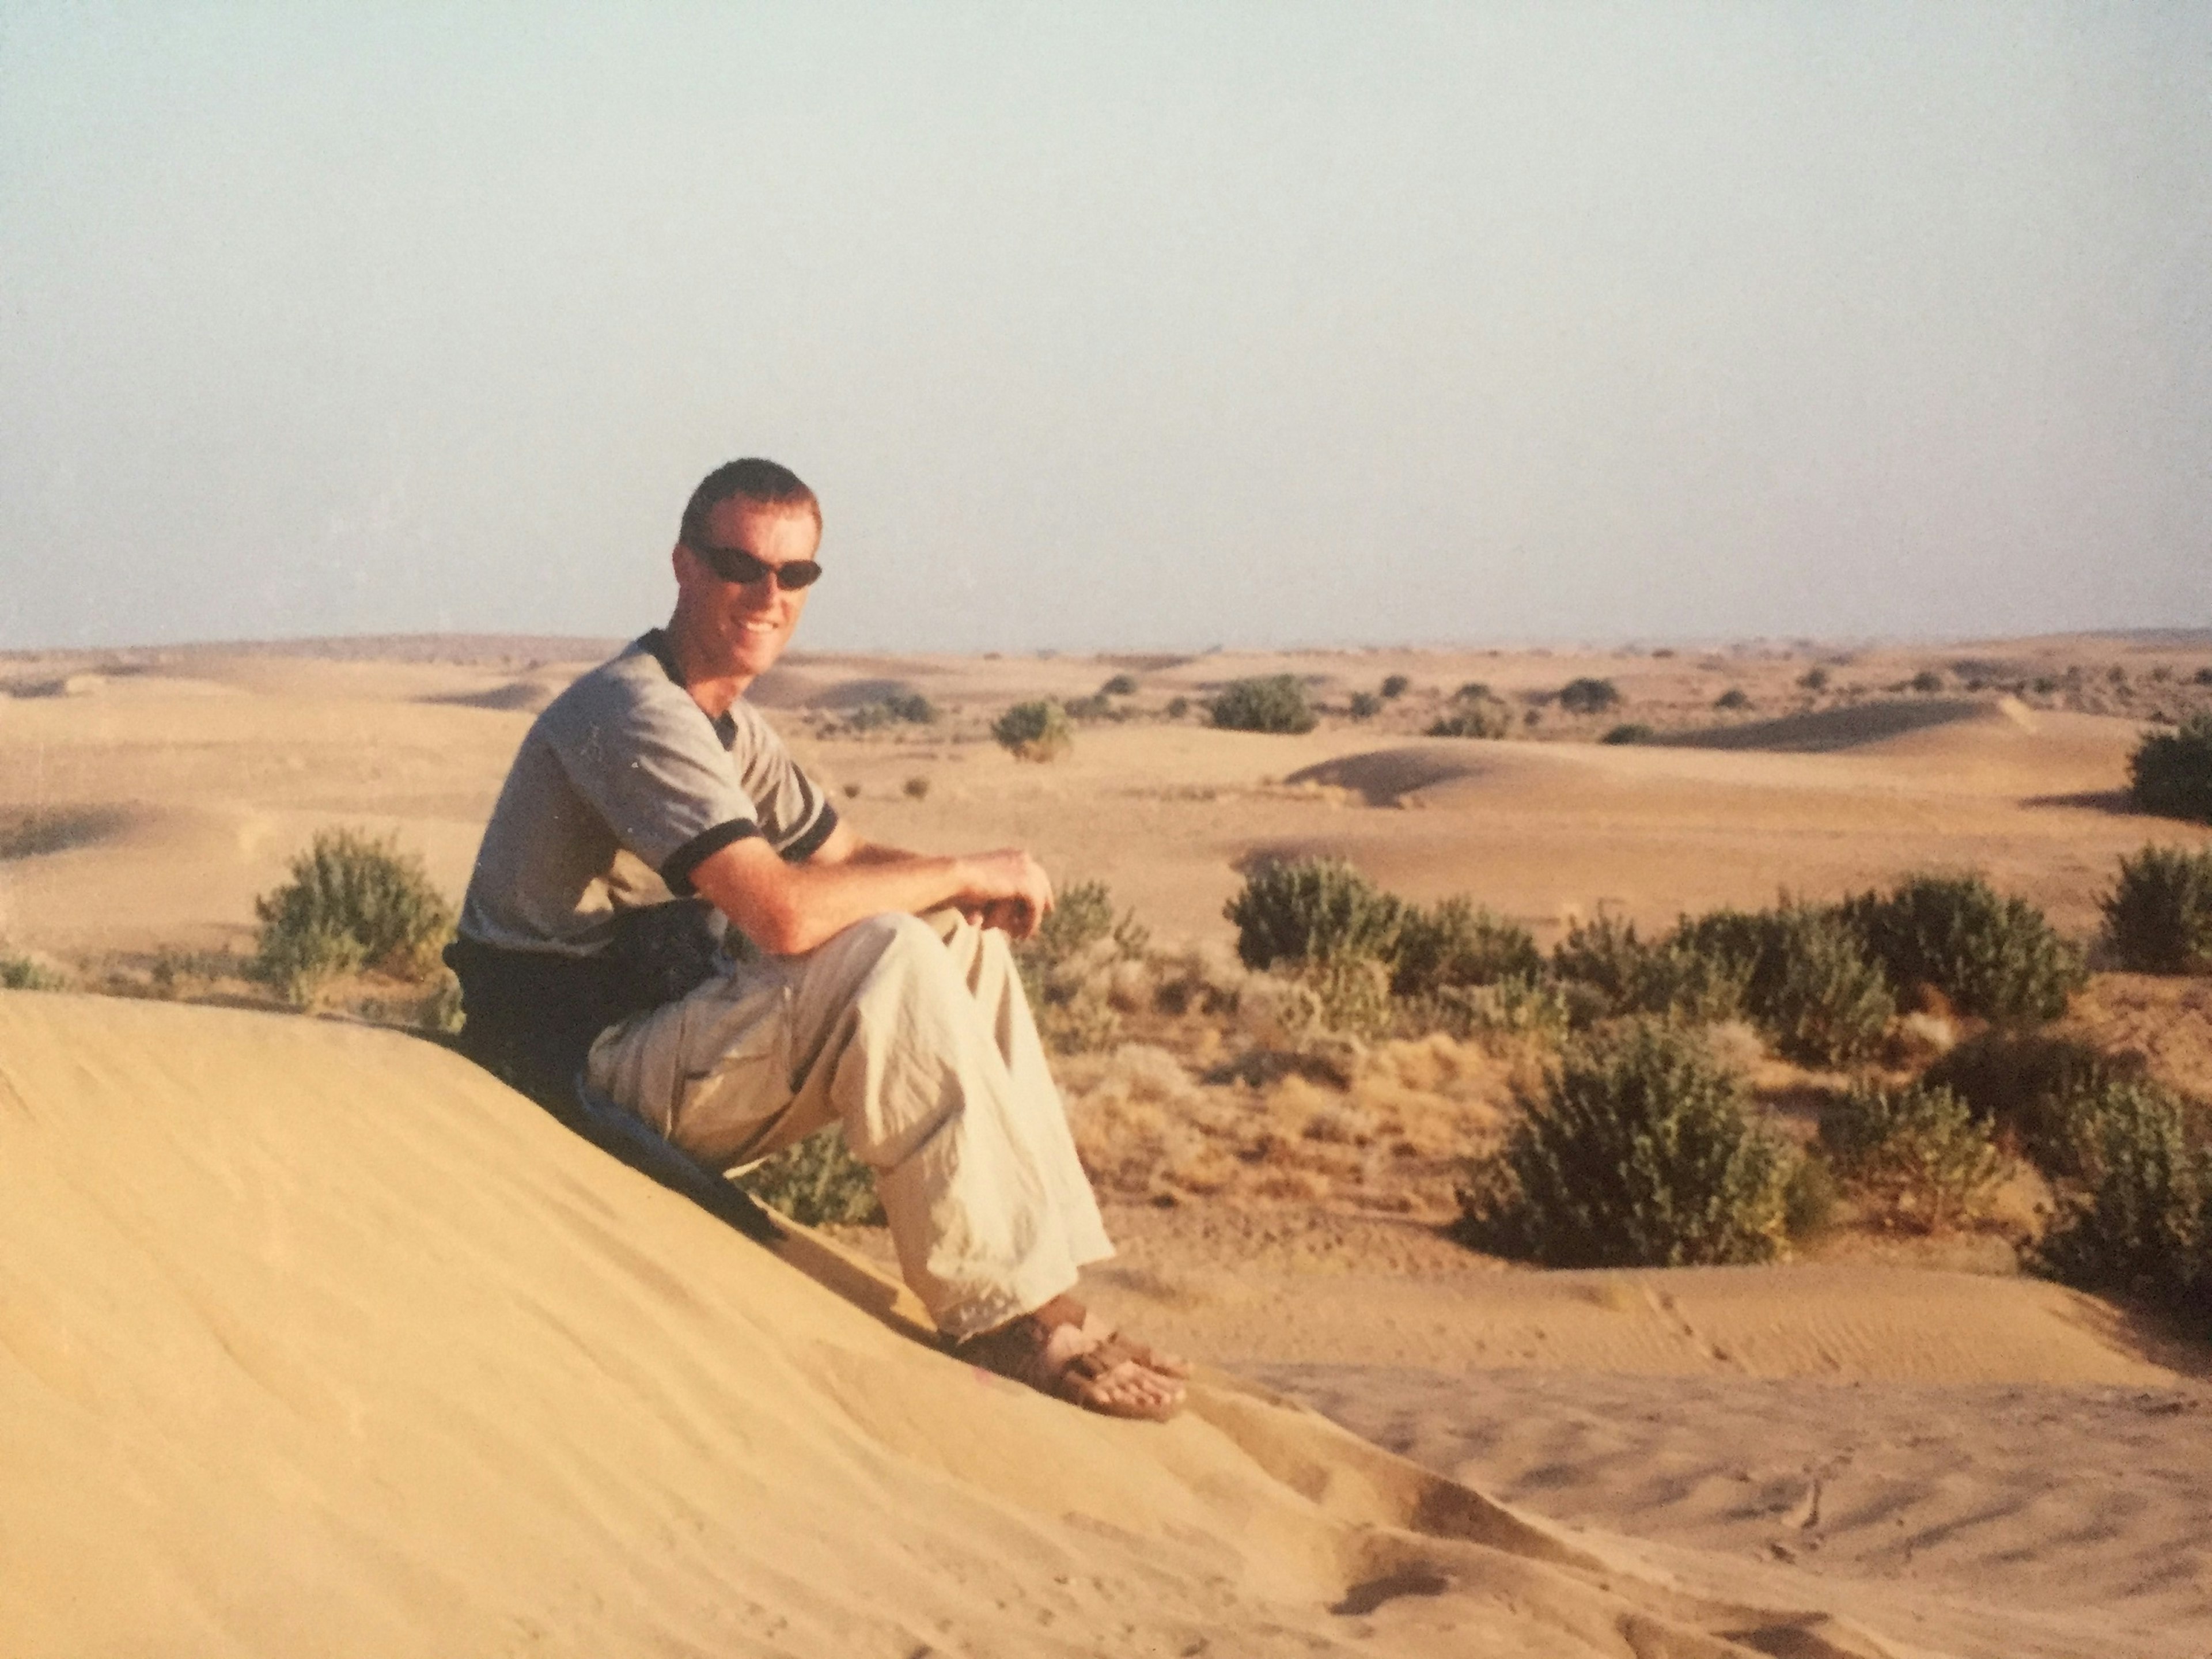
[1918,1154]
[1069,968]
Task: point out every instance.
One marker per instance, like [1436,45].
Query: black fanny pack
[531,1016]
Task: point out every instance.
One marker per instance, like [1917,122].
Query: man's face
[746,624]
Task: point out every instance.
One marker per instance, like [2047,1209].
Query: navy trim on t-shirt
[677,869]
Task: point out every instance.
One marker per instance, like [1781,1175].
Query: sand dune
[332,1344]
[1832,729]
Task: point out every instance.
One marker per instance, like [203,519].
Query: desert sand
[313,1339]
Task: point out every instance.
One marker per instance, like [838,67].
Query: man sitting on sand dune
[883,995]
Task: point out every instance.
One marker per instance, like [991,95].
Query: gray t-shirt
[623,762]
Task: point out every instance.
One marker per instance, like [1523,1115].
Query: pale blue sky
[1111,327]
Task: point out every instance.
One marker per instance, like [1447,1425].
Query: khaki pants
[914,1035]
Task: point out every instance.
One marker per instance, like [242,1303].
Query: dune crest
[314,1338]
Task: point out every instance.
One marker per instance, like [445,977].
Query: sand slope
[313,1339]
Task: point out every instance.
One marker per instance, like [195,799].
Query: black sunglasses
[734,564]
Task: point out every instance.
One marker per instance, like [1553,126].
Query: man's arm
[789,909]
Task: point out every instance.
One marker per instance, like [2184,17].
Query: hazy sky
[1120,325]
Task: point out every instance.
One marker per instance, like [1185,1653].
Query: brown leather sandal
[1067,1362]
[1120,1346]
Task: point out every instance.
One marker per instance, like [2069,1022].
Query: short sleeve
[793,813]
[653,766]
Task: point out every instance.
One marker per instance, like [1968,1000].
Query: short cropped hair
[763,482]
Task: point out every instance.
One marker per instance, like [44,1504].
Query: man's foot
[1121,1347]
[1055,1352]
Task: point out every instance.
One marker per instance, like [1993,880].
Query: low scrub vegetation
[354,901]
[1638,1151]
[899,708]
[1806,982]
[2041,1092]
[2142,1223]
[2171,772]
[1918,1154]
[1274,702]
[1061,963]
[1456,945]
[1987,954]
[28,973]
[2158,916]
[1589,696]
[817,1182]
[1472,720]
[1034,732]
[1632,732]
[1314,910]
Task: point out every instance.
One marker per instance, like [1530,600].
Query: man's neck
[713,692]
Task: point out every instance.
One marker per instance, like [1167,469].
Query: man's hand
[1007,890]
[789,909]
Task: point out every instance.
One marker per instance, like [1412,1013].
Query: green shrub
[1121,685]
[2159,914]
[2042,1090]
[1813,679]
[1275,702]
[1989,955]
[2171,772]
[1474,691]
[2203,677]
[1177,707]
[23,974]
[1035,731]
[1454,943]
[1395,685]
[1917,1152]
[1633,732]
[1637,1152]
[1926,681]
[1472,720]
[1364,706]
[1312,910]
[354,901]
[817,1182]
[1808,983]
[1589,696]
[2144,1228]
[1621,973]
[1734,698]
